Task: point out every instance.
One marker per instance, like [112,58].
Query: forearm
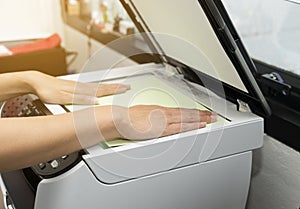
[28,141]
[15,84]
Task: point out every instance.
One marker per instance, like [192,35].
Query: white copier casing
[208,168]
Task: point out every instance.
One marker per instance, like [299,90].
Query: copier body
[206,168]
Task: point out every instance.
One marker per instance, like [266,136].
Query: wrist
[109,118]
[27,81]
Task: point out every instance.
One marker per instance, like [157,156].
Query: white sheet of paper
[147,90]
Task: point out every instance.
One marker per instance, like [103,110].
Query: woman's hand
[149,121]
[54,90]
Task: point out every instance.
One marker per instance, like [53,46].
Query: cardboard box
[51,61]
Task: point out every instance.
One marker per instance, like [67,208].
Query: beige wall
[21,19]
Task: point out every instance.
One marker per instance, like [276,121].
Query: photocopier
[200,63]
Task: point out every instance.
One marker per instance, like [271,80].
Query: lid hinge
[243,106]
[172,69]
[275,85]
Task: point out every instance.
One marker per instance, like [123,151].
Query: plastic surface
[239,133]
[212,185]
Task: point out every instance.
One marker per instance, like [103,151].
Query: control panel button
[54,164]
[42,165]
[64,157]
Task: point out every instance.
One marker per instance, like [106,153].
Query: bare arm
[53,90]
[13,84]
[27,141]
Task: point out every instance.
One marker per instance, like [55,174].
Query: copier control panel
[29,106]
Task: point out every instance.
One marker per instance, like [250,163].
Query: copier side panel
[134,161]
[217,184]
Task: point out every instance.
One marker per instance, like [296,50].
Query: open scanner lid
[205,25]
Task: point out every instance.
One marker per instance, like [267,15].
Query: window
[270,31]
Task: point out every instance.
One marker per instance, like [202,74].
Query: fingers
[114,88]
[87,93]
[177,120]
[208,116]
[84,99]
[183,127]
[100,89]
[109,89]
[150,121]
[182,115]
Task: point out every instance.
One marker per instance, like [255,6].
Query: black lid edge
[221,23]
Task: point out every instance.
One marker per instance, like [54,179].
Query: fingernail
[93,100]
[122,89]
[97,102]
[203,124]
[127,86]
[213,118]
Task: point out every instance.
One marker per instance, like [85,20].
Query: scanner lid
[198,38]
